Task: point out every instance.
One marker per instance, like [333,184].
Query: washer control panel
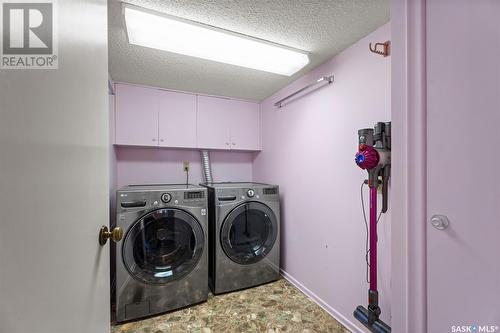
[147,199]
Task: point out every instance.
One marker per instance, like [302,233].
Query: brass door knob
[116,235]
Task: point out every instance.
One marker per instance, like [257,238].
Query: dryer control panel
[247,193]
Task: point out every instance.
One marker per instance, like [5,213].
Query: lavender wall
[308,149]
[139,165]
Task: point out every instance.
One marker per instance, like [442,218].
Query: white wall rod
[328,79]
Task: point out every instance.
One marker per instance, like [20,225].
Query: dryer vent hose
[205,164]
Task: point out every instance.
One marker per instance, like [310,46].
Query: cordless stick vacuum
[374,156]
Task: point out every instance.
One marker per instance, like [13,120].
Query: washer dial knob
[251,193]
[166,197]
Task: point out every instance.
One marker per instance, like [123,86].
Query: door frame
[409,158]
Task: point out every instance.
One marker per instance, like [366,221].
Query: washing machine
[162,262]
[244,235]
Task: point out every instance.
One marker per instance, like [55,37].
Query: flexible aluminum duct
[205,164]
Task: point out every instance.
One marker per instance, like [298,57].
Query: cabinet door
[177,116]
[213,122]
[245,125]
[136,116]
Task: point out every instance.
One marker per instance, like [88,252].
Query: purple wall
[308,149]
[139,165]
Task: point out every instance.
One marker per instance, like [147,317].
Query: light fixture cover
[168,33]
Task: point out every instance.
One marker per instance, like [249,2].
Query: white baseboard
[334,313]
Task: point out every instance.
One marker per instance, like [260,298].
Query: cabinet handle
[162,140]
[154,139]
[234,144]
[227,143]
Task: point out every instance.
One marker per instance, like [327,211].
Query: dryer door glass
[249,233]
[162,246]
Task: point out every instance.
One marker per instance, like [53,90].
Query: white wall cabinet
[228,124]
[136,116]
[177,119]
[245,125]
[213,123]
[152,117]
[159,118]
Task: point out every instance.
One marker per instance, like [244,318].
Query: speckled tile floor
[272,308]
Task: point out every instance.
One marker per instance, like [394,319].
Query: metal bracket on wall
[327,79]
[385,48]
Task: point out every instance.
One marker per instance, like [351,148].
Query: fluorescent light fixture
[168,33]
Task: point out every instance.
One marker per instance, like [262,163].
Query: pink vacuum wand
[374,156]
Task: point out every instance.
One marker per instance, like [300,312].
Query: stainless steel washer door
[162,246]
[249,232]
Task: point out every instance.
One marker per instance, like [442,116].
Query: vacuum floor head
[361,314]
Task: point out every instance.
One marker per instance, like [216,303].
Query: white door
[213,122]
[245,125]
[177,119]
[136,112]
[54,151]
[463,91]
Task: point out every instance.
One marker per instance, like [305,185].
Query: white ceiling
[321,27]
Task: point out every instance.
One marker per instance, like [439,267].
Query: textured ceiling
[321,27]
